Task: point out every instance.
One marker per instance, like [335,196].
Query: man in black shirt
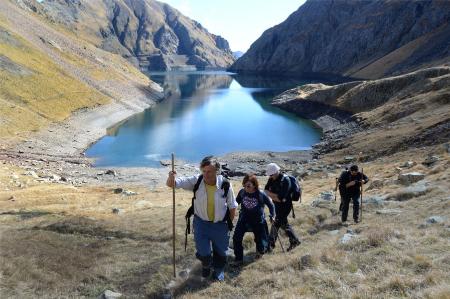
[277,188]
[351,182]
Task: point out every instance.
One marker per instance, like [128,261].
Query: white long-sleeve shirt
[201,197]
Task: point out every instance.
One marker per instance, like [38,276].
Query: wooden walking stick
[173,219]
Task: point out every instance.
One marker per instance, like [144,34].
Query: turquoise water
[206,113]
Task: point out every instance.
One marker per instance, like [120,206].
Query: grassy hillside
[34,90]
[47,73]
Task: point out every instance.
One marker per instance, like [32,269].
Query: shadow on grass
[24,215]
[194,282]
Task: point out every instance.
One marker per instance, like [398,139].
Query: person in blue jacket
[252,217]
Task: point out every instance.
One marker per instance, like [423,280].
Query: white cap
[272,168]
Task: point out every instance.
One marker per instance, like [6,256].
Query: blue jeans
[208,233]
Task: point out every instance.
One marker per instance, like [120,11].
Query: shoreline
[59,150]
[73,136]
[62,146]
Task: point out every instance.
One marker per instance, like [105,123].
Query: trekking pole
[360,212]
[173,219]
[279,239]
[335,188]
[186,236]
[362,175]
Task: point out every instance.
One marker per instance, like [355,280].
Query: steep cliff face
[149,33]
[362,39]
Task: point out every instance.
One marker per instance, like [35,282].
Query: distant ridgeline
[361,39]
[150,34]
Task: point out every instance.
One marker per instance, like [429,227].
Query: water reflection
[206,113]
[194,86]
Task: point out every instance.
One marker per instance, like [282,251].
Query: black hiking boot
[271,246]
[237,263]
[206,271]
[293,245]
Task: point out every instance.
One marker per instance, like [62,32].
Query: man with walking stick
[352,181]
[214,207]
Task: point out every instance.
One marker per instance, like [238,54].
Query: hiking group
[214,208]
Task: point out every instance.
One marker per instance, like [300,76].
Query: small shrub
[422,264]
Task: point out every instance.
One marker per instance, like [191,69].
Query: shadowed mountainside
[360,39]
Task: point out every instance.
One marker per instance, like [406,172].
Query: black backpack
[295,191]
[342,178]
[190,212]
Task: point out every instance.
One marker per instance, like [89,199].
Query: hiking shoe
[271,245]
[344,223]
[356,220]
[293,245]
[258,256]
[218,276]
[206,271]
[237,263]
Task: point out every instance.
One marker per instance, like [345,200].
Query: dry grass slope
[43,94]
[59,240]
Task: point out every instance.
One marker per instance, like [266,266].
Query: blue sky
[241,22]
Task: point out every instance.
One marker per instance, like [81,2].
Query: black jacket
[346,177]
[279,186]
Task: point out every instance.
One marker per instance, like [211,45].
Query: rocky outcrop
[149,33]
[360,39]
[385,115]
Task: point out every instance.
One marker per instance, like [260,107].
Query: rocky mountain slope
[360,39]
[377,117]
[149,33]
[57,89]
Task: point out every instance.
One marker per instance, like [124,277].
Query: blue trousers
[208,233]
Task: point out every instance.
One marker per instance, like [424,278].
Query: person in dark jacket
[277,188]
[341,189]
[352,181]
[252,217]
